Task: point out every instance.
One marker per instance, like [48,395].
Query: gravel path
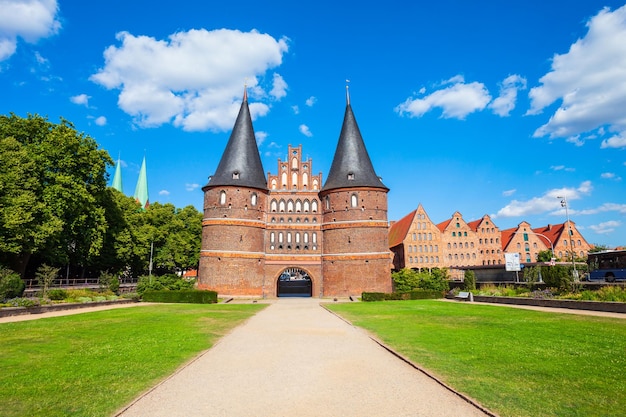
[296,359]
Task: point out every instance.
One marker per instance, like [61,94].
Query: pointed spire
[241,163]
[351,165]
[141,191]
[117,177]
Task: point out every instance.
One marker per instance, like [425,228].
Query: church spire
[241,163]
[117,177]
[141,191]
[351,165]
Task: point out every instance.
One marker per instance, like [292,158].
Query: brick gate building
[287,234]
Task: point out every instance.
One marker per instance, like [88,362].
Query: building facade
[417,243]
[289,233]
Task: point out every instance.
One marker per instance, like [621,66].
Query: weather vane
[348,91]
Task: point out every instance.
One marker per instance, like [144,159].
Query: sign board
[511,262]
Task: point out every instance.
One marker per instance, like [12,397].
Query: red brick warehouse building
[286,234]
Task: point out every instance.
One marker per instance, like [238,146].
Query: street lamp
[571,237]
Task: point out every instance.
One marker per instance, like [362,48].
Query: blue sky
[480,107]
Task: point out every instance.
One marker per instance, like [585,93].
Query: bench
[465,295]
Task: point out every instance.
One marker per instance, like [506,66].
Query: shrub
[57,294]
[163,282]
[180,296]
[11,285]
[45,277]
[557,276]
[23,302]
[109,281]
[406,280]
[469,280]
[373,296]
[425,294]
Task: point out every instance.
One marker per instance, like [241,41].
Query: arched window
[273,206]
[354,200]
[306,238]
[314,205]
[290,206]
[298,206]
[305,179]
[297,237]
[272,237]
[315,185]
[294,163]
[294,180]
[281,206]
[280,237]
[274,184]
[253,199]
[314,237]
[222,197]
[288,237]
[284,179]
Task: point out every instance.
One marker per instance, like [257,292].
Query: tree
[545,256]
[11,285]
[598,248]
[52,179]
[45,277]
[469,280]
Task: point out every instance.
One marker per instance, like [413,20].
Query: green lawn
[92,364]
[515,362]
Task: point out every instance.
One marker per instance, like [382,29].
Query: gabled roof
[551,231]
[351,165]
[443,225]
[474,225]
[241,163]
[399,230]
[506,236]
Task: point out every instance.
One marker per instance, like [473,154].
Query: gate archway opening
[294,282]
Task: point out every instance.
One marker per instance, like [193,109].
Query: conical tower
[117,177]
[355,256]
[141,190]
[232,257]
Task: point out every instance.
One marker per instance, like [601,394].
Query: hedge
[182,296]
[411,295]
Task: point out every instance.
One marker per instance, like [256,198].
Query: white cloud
[562,168]
[617,141]
[191,186]
[260,137]
[590,83]
[81,99]
[509,193]
[164,192]
[548,202]
[605,227]
[30,20]
[296,109]
[279,89]
[457,99]
[504,103]
[304,129]
[311,101]
[101,121]
[193,79]
[604,208]
[607,175]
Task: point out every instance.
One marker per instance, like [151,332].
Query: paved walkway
[294,358]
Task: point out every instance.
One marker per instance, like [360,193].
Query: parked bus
[608,265]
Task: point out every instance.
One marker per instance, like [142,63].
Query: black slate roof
[351,165]
[241,163]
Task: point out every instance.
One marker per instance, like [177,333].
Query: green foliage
[557,276]
[163,282]
[406,280]
[181,296]
[544,256]
[425,294]
[57,294]
[45,276]
[23,302]
[11,285]
[52,178]
[109,281]
[531,275]
[469,280]
[373,296]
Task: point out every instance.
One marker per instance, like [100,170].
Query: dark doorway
[294,282]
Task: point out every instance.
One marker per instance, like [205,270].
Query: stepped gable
[240,165]
[351,165]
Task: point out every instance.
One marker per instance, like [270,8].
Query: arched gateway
[294,282]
